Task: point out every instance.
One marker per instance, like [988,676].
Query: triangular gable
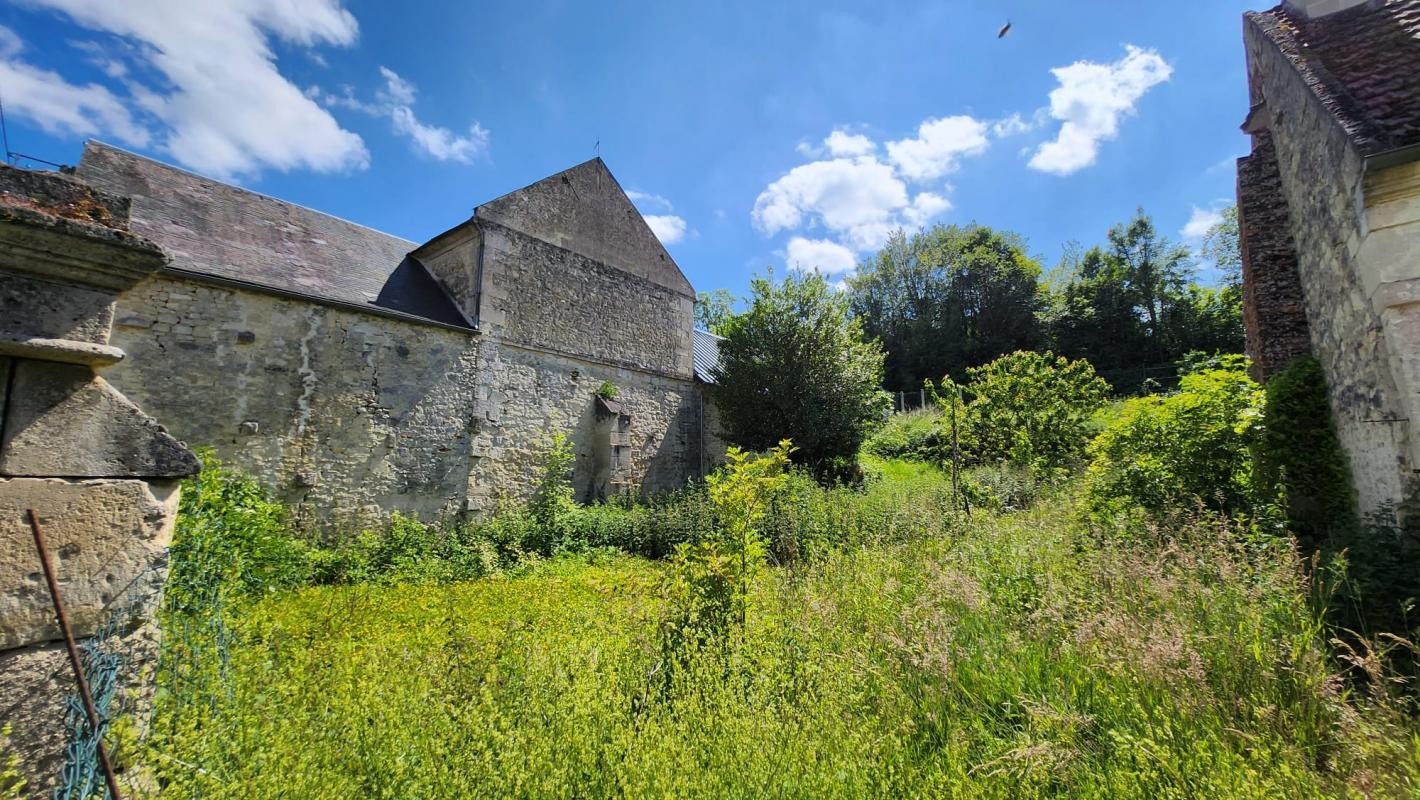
[584,209]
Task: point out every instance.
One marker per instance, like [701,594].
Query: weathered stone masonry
[1329,205]
[100,473]
[358,374]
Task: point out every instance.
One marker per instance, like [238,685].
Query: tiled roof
[1363,63]
[220,231]
[705,352]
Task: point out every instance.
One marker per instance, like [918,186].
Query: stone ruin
[102,475]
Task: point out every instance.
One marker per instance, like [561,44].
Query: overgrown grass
[899,650]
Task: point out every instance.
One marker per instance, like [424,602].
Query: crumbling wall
[350,416]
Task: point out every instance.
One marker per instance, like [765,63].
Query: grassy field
[1011,655]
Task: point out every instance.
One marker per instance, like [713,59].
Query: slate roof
[1363,63]
[221,231]
[705,353]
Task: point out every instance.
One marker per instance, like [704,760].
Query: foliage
[796,366]
[1032,409]
[229,529]
[1222,245]
[607,391]
[12,781]
[714,309]
[1299,457]
[947,298]
[707,587]
[1132,302]
[553,503]
[914,435]
[1189,448]
[1014,658]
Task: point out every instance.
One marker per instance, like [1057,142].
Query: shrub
[1033,409]
[229,529]
[1190,448]
[552,505]
[708,585]
[1000,487]
[914,435]
[607,391]
[1300,459]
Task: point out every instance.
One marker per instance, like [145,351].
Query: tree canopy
[948,298]
[797,366]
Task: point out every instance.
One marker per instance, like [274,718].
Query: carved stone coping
[66,351]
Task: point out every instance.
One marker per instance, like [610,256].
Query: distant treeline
[953,297]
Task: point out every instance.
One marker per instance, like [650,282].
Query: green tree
[1132,303]
[946,299]
[1223,246]
[713,309]
[796,366]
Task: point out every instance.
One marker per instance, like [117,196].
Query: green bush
[1300,459]
[915,435]
[1163,453]
[1033,409]
[228,529]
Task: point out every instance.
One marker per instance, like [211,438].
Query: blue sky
[752,133]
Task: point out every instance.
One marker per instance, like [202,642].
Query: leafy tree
[1154,271]
[1132,303]
[796,366]
[946,299]
[713,309]
[1222,246]
[1032,409]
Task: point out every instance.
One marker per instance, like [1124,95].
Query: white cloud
[668,227]
[938,147]
[858,198]
[820,255]
[1015,124]
[228,110]
[59,107]
[396,100]
[1090,102]
[1200,222]
[842,143]
[647,200]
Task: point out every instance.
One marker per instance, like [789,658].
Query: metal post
[74,661]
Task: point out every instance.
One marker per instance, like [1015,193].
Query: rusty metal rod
[74,661]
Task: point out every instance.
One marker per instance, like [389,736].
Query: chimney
[1311,9]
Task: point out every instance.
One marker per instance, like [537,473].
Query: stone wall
[1274,307]
[536,394]
[543,296]
[348,415]
[351,416]
[1322,181]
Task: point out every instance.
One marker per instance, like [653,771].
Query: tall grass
[899,650]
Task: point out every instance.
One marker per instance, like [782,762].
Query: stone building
[357,373]
[1329,211]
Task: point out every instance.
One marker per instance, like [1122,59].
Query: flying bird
[1005,29]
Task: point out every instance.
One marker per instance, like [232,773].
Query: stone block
[33,307]
[107,540]
[64,420]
